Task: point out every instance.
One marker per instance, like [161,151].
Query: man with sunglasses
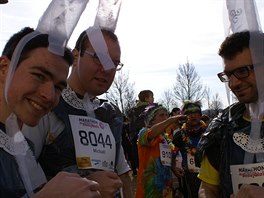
[85,132]
[227,141]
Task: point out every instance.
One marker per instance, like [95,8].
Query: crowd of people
[58,138]
[166,145]
[222,157]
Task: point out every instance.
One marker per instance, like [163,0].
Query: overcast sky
[155,37]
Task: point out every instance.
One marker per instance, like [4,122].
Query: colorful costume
[154,178]
[187,140]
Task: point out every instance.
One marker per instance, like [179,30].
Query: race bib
[191,164]
[247,174]
[94,142]
[165,154]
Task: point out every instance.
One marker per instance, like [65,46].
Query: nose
[48,93]
[102,69]
[233,81]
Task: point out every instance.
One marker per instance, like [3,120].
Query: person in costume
[31,92]
[230,156]
[34,68]
[85,132]
[155,150]
[186,140]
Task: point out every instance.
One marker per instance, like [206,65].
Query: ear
[76,57]
[4,65]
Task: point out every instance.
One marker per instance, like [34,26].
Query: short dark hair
[144,94]
[83,41]
[38,41]
[205,118]
[191,107]
[174,110]
[238,41]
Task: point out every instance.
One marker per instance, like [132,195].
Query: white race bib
[191,164]
[247,174]
[165,154]
[95,145]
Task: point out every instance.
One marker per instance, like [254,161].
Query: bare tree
[207,95]
[122,92]
[216,103]
[216,106]
[188,85]
[167,100]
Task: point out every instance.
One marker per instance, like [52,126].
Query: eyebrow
[251,66]
[48,73]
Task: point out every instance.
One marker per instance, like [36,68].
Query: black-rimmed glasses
[239,73]
[118,65]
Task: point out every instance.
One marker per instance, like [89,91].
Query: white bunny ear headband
[106,18]
[243,16]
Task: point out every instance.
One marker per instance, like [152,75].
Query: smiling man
[81,125]
[228,147]
[31,83]
[48,77]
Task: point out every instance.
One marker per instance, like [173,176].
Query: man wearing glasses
[85,132]
[224,147]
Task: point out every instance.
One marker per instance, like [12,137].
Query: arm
[69,185]
[123,170]
[210,180]
[157,129]
[127,191]
[208,190]
[249,191]
[110,183]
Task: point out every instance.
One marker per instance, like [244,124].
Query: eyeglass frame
[118,67]
[235,72]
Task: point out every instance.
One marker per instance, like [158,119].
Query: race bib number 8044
[94,143]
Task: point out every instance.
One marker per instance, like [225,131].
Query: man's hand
[179,172]
[69,185]
[110,182]
[249,191]
[207,190]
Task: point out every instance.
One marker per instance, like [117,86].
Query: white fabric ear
[15,58]
[97,41]
[243,15]
[59,21]
[30,171]
[107,14]
[106,18]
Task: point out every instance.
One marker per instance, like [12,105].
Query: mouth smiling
[241,91]
[36,105]
[101,80]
